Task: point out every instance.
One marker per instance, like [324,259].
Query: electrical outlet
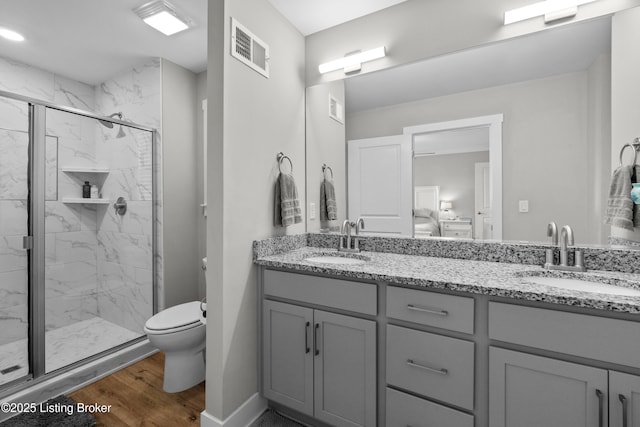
[312,211]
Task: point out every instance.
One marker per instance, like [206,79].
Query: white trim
[247,413]
[494,122]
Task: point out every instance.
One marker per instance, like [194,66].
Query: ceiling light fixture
[551,9]
[163,16]
[353,61]
[11,35]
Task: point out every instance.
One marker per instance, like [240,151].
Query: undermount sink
[584,285]
[336,259]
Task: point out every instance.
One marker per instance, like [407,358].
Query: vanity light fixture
[11,35]
[163,16]
[352,62]
[551,9]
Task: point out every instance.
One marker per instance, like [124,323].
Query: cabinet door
[624,400]
[533,391]
[288,358]
[345,370]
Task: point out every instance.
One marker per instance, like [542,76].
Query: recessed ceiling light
[11,35]
[162,16]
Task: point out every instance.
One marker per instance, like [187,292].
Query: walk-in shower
[77,279]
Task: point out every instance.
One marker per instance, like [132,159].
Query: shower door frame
[34,242]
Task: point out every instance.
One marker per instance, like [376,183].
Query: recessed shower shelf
[85,170]
[85,201]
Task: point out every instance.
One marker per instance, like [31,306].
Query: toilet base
[183,370]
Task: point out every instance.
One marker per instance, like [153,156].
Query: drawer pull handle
[411,362]
[625,410]
[427,310]
[600,408]
[306,338]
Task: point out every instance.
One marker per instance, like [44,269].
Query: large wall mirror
[552,92]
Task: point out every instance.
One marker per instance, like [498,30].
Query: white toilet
[179,331]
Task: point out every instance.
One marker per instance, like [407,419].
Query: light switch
[523,205]
[312,211]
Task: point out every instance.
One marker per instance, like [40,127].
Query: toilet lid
[176,317]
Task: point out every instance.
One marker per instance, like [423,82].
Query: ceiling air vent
[249,49]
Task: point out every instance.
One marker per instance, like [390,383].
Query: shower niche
[76,278]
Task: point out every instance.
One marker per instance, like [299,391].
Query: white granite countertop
[478,277]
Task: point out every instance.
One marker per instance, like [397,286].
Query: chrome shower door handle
[600,395]
[625,410]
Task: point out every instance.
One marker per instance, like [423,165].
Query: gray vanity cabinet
[288,355]
[533,391]
[624,400]
[320,363]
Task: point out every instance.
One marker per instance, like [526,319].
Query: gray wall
[625,108]
[201,95]
[455,174]
[179,144]
[325,144]
[251,119]
[544,146]
[419,29]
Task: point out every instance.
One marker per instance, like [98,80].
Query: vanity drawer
[341,294]
[405,410]
[431,365]
[429,308]
[592,337]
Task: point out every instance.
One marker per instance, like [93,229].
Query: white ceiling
[311,16]
[93,40]
[556,51]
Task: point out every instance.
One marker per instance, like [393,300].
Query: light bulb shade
[445,205]
[162,16]
[352,62]
[552,9]
[11,35]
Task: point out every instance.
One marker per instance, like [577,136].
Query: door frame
[494,123]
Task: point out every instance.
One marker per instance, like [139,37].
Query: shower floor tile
[65,345]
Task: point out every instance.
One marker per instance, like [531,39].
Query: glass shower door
[14,224]
[98,282]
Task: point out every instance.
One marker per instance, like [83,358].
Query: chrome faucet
[566,240]
[552,231]
[347,243]
[356,240]
[345,238]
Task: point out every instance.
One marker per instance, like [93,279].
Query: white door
[380,184]
[482,223]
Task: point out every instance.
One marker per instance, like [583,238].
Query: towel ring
[324,170]
[281,157]
[635,146]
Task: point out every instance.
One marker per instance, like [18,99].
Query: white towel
[287,205]
[620,207]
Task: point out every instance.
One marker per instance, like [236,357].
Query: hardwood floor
[137,399]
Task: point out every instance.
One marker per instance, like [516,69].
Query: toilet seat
[175,319]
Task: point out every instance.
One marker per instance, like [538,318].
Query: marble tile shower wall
[125,251]
[96,264]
